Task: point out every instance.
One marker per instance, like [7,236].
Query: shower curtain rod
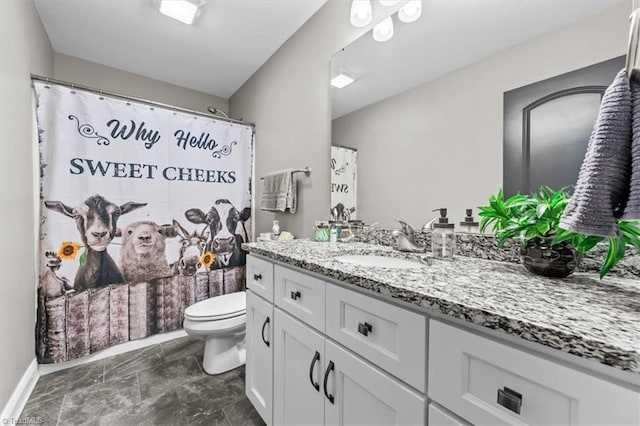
[140,100]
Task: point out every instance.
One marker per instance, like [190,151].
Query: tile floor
[162,384]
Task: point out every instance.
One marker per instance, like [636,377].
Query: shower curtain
[143,212]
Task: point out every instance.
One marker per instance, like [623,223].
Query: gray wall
[440,144]
[288,99]
[24,49]
[75,70]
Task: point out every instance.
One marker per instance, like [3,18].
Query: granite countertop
[581,314]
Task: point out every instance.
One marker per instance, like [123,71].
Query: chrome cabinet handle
[510,399]
[315,359]
[326,379]
[266,342]
[365,328]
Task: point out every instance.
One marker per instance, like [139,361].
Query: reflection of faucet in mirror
[406,239]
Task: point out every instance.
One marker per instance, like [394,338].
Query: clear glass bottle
[443,238]
[469,226]
[334,231]
[275,230]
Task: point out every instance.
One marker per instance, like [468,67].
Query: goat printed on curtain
[344,170]
[143,213]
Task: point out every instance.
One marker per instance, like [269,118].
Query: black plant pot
[539,257]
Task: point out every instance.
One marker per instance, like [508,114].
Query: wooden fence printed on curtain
[78,324]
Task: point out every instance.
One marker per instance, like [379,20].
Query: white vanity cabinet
[298,368]
[259,337]
[340,357]
[316,381]
[362,394]
[489,383]
[259,367]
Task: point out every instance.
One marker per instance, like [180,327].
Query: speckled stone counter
[580,315]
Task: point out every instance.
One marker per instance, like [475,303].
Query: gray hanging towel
[280,192]
[632,210]
[603,182]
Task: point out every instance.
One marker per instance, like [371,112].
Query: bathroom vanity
[457,342]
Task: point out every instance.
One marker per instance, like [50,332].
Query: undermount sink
[380,261]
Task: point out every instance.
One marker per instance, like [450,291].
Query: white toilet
[221,322]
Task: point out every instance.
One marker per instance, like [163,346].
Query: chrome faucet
[406,239]
[429,225]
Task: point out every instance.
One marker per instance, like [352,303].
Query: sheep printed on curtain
[143,213]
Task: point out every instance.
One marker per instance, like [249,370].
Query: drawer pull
[316,358]
[326,379]
[510,399]
[257,277]
[266,342]
[365,328]
[295,295]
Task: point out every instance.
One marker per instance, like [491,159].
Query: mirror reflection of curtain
[344,171]
[547,126]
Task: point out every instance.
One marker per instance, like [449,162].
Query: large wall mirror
[426,110]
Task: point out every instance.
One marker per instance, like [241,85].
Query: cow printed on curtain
[126,244]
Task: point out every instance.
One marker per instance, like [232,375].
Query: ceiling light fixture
[343,79]
[361,13]
[384,30]
[387,3]
[410,11]
[185,11]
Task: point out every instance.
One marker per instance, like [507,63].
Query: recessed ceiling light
[343,80]
[185,11]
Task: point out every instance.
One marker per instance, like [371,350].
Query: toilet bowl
[219,321]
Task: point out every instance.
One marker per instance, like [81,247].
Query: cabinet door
[358,393]
[259,368]
[298,367]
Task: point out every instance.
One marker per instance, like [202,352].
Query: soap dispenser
[275,230]
[469,225]
[443,239]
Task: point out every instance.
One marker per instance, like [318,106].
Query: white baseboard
[44,369]
[11,412]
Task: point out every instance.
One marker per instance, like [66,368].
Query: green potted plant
[546,248]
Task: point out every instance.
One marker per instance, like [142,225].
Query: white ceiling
[228,42]
[449,35]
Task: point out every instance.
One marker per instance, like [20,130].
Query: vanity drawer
[260,277]
[486,382]
[300,295]
[393,338]
[438,416]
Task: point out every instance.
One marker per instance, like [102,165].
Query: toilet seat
[218,308]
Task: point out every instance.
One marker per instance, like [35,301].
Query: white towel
[280,192]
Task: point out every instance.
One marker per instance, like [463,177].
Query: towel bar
[306,171]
